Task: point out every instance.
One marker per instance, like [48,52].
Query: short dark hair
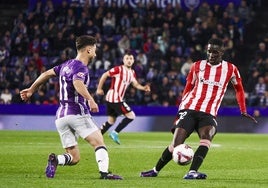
[130,52]
[216,41]
[84,40]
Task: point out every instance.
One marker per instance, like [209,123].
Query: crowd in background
[166,41]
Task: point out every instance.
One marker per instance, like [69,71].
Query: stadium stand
[40,34]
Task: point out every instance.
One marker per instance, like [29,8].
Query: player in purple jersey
[73,117]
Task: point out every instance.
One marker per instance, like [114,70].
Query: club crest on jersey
[67,70]
[80,74]
[211,83]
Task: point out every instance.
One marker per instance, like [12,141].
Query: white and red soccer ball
[183,154]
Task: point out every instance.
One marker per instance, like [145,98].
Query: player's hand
[93,106]
[100,92]
[249,116]
[26,94]
[147,88]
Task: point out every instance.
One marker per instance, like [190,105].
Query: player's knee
[131,115]
[207,134]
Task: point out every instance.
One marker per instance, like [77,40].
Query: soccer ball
[183,154]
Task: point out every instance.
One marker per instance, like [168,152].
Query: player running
[73,117]
[122,77]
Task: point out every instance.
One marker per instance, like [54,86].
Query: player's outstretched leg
[192,174]
[52,164]
[110,176]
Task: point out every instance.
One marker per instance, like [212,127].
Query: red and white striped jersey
[206,85]
[121,78]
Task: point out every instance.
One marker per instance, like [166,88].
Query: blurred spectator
[171,98]
[60,59]
[257,64]
[79,28]
[211,20]
[70,19]
[135,40]
[45,47]
[91,28]
[132,97]
[4,78]
[51,100]
[178,33]
[17,77]
[125,24]
[108,23]
[203,10]
[124,44]
[230,9]
[16,97]
[31,71]
[7,40]
[156,54]
[105,58]
[58,43]
[154,100]
[163,88]
[37,62]
[244,12]
[34,46]
[139,69]
[148,46]
[4,56]
[259,94]
[141,57]
[20,46]
[217,11]
[176,64]
[6,96]
[239,26]
[262,51]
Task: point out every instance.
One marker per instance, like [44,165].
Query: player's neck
[82,58]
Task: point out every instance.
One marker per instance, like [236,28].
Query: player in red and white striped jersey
[122,76]
[206,84]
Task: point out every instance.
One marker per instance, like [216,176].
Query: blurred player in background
[122,76]
[206,84]
[73,117]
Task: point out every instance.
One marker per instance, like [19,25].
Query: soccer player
[73,117]
[122,77]
[206,84]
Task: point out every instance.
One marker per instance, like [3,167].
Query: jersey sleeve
[239,90]
[114,71]
[80,73]
[189,81]
[57,69]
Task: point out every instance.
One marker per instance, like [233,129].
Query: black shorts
[192,120]
[117,109]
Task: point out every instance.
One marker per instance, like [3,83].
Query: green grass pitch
[234,161]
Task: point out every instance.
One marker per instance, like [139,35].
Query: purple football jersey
[71,103]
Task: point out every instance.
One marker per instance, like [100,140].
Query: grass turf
[234,160]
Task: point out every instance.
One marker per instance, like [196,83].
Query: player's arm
[27,93]
[240,96]
[189,81]
[138,86]
[82,90]
[101,83]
